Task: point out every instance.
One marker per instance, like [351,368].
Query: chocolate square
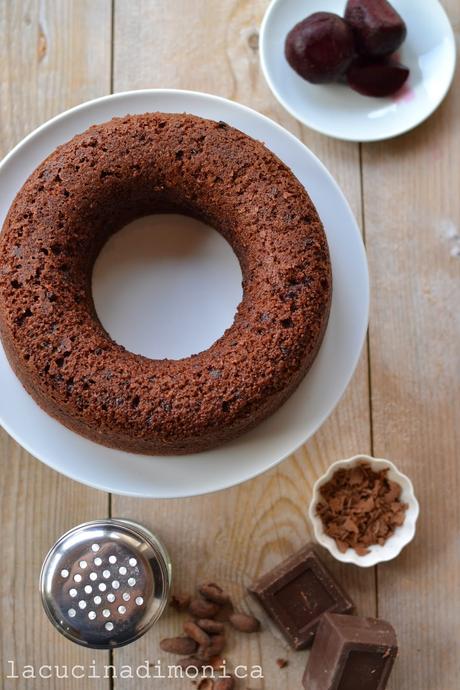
[349,653]
[297,592]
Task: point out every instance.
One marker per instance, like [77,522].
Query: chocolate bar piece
[350,653]
[297,592]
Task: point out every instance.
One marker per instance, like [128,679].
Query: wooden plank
[52,56]
[412,210]
[234,535]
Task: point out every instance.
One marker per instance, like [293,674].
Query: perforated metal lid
[104,583]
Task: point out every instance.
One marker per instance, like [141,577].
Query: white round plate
[338,111]
[314,400]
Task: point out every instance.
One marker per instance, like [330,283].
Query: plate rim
[343,137]
[219,486]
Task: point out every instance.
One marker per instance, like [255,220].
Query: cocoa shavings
[360,507]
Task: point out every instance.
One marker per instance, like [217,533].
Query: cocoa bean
[244,623]
[216,662]
[210,626]
[180,602]
[206,684]
[197,634]
[215,647]
[179,645]
[214,593]
[199,608]
[224,613]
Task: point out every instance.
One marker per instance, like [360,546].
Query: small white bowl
[334,109]
[401,537]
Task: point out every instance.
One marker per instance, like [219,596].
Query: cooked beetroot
[378,29]
[320,48]
[377,77]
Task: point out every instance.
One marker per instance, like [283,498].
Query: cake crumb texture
[89,188]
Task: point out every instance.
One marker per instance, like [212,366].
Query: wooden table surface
[403,402]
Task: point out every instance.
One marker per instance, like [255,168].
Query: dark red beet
[320,48]
[377,77]
[378,29]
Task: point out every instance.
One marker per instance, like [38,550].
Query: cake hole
[180,272]
[116,584]
[91,615]
[132,562]
[109,626]
[64,573]
[122,570]
[122,609]
[102,587]
[93,576]
[73,593]
[72,613]
[112,559]
[98,561]
[83,565]
[97,600]
[77,577]
[131,581]
[126,596]
[82,604]
[139,601]
[111,597]
[95,547]
[88,589]
[106,574]
[106,613]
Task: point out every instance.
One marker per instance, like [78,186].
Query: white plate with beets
[184,269]
[423,43]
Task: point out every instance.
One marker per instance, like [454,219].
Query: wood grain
[56,54]
[52,56]
[412,211]
[237,534]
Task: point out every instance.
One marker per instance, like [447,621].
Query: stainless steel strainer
[104,583]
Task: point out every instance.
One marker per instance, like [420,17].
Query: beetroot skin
[377,28]
[378,78]
[320,48]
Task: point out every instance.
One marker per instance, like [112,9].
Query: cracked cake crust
[89,188]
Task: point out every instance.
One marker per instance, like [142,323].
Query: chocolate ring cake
[89,188]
